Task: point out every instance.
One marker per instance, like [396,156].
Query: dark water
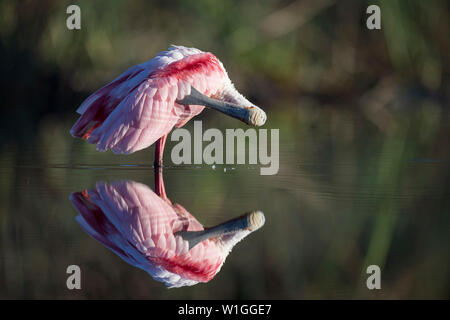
[348,195]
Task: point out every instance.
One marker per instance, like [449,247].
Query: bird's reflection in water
[146,230]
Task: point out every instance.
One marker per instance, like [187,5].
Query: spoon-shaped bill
[249,221]
[251,115]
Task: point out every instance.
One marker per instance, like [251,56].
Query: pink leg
[159,182]
[159,151]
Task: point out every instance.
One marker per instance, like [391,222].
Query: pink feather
[139,226]
[138,107]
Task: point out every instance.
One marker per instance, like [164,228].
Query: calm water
[348,194]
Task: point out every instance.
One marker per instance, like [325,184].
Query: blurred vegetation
[364,160]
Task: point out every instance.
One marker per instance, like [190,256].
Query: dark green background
[364,145]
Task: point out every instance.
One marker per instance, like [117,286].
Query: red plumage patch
[98,111]
[191,64]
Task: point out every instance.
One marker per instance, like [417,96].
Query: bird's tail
[96,111]
[93,220]
[99,105]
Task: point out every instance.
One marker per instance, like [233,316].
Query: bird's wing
[99,105]
[135,210]
[146,114]
[93,220]
[116,90]
[129,218]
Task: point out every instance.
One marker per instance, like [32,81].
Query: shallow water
[347,195]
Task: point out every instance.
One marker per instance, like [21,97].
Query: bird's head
[225,98]
[195,71]
[237,106]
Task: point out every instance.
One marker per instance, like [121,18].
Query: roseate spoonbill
[162,238]
[145,102]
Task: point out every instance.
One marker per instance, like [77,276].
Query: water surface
[348,194]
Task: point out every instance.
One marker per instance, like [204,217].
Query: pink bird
[145,102]
[162,238]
